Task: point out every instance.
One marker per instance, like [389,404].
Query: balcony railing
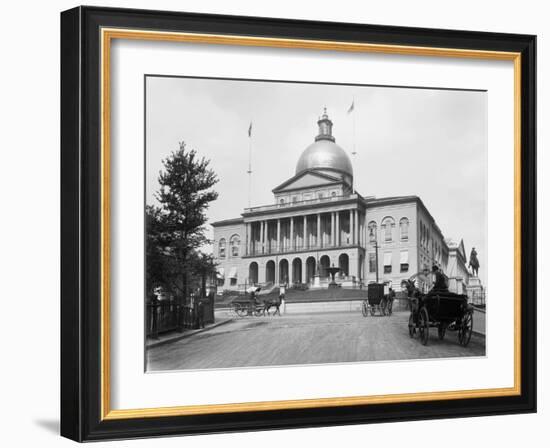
[285,249]
[290,205]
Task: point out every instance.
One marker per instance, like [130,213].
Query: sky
[426,142]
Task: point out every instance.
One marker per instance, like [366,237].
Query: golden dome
[324,154]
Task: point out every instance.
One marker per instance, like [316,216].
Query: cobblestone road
[306,339]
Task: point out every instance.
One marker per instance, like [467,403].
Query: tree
[203,267]
[176,229]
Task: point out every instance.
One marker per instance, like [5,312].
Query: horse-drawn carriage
[441,309]
[377,300]
[245,307]
[251,306]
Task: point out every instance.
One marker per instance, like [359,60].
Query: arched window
[372,231]
[282,202]
[221,248]
[235,242]
[387,224]
[404,229]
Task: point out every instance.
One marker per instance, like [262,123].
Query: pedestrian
[200,314]
[282,293]
[391,298]
[253,303]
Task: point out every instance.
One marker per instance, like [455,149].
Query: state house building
[317,220]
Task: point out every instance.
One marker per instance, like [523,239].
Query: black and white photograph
[292,223]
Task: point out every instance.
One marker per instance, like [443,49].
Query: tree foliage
[176,227]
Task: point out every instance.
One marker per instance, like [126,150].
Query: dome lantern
[325,128]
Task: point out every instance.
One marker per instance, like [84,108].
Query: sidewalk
[174,336]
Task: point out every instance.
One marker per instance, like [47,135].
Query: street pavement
[313,338]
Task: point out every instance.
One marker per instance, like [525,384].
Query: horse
[272,303]
[413,293]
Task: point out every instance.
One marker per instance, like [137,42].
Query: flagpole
[354,152]
[249,164]
[353,112]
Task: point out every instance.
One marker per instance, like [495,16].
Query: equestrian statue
[474,262]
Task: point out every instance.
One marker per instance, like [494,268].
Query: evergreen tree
[175,229]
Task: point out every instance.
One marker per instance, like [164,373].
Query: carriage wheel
[441,329]
[412,328]
[372,310]
[466,327]
[365,309]
[423,326]
[240,310]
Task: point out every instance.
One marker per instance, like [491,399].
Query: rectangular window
[404,267]
[372,262]
[387,262]
[233,282]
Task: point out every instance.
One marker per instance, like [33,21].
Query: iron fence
[168,315]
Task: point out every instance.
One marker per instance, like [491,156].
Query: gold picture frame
[107,30]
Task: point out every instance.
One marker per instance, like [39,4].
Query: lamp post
[376,247]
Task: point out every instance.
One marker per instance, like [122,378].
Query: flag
[250,130]
[352,107]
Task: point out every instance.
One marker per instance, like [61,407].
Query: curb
[187,335]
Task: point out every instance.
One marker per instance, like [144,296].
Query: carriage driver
[441,282]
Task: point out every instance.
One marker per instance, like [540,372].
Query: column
[291,234]
[248,238]
[351,229]
[278,235]
[356,227]
[266,235]
[365,229]
[305,234]
[262,239]
[318,229]
[332,219]
[337,232]
[361,230]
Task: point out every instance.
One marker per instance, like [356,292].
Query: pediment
[307,179]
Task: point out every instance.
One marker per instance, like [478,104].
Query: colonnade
[306,232]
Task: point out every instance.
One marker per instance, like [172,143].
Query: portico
[288,231]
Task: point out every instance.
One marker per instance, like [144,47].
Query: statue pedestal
[474,281]
[475,291]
